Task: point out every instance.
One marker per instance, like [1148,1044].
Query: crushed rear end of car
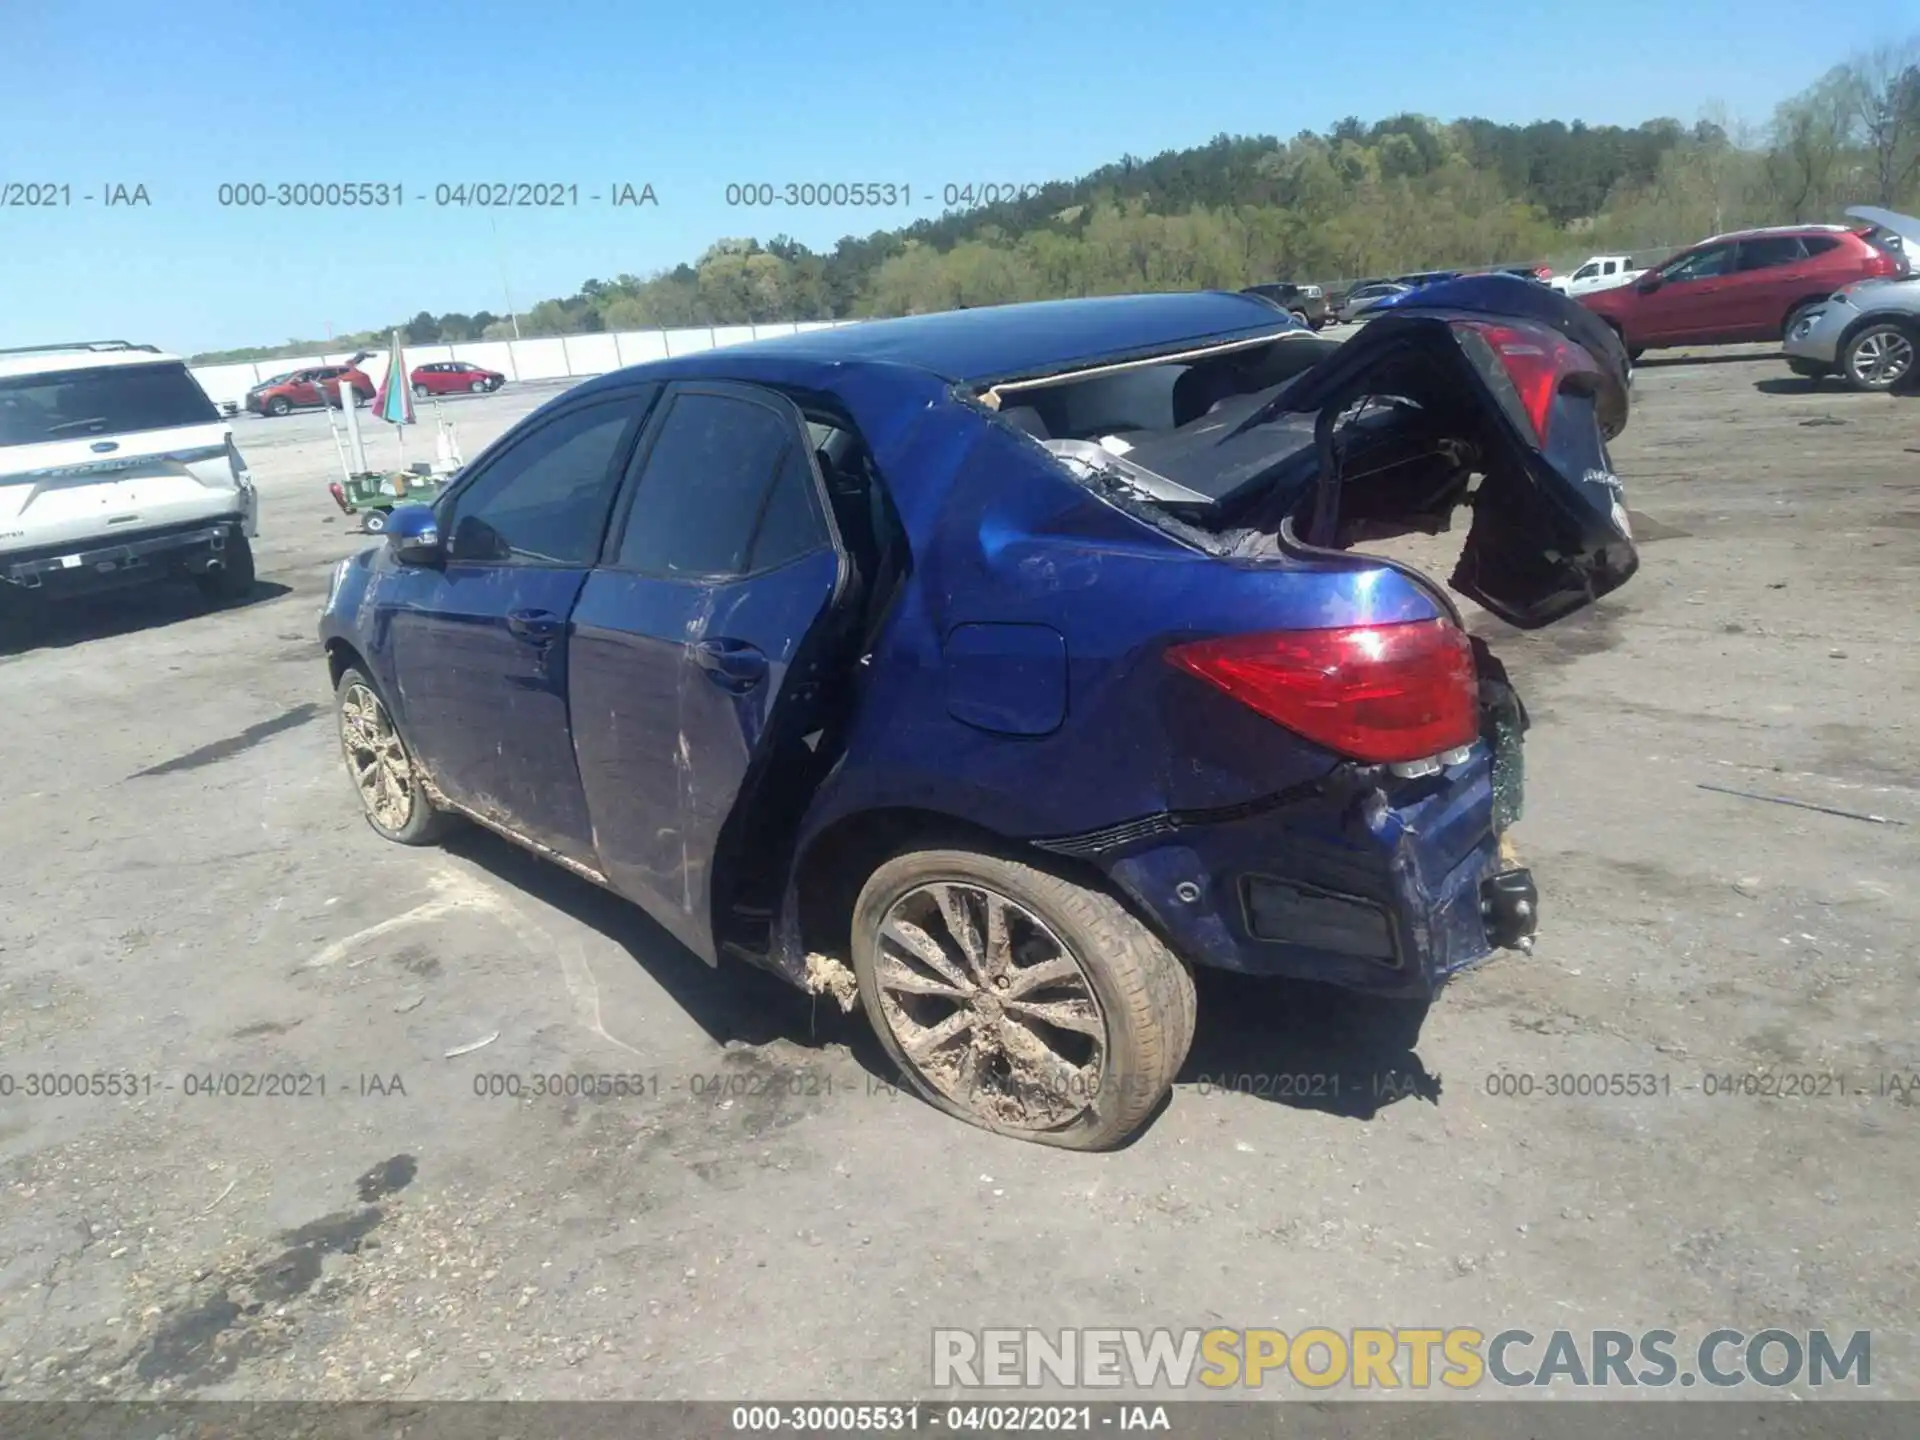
[1340,760]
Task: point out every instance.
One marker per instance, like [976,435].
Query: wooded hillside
[1401,194]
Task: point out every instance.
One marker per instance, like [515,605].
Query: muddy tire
[381,766]
[1018,1000]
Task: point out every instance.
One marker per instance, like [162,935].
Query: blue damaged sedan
[992,670]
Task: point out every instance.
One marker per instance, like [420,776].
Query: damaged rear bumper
[1386,891]
[127,560]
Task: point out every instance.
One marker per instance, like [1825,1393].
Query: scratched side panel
[485,710]
[627,658]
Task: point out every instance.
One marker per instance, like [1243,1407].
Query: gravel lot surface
[187,889]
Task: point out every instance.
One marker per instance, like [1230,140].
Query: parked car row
[1842,299]
[1782,282]
[1306,303]
[322,385]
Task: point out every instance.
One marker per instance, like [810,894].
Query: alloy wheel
[989,1007]
[1881,359]
[378,761]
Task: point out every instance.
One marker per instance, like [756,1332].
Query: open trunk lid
[1488,392]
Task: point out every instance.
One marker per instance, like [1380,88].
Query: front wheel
[279,405]
[374,522]
[381,767]
[478,387]
[1019,1000]
[1879,358]
[420,392]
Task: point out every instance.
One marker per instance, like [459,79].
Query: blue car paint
[1149,775]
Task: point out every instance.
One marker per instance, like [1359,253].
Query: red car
[1744,287]
[451,377]
[304,389]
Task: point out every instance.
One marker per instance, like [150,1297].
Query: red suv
[301,389]
[1743,287]
[454,377]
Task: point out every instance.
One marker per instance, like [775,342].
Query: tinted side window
[1769,251]
[1702,264]
[706,483]
[1818,244]
[545,500]
[790,524]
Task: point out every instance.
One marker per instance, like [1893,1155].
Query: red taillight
[1535,360]
[1379,693]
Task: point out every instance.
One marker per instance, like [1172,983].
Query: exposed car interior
[1207,439]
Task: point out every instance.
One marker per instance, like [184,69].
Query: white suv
[116,468]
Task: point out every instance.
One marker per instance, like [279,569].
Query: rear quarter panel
[1008,539]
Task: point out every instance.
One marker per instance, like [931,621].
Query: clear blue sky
[690,96]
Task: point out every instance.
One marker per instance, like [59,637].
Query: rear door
[478,647]
[107,451]
[1773,271]
[690,644]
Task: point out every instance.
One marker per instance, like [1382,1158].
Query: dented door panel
[480,681]
[674,685]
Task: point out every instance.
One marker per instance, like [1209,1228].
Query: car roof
[988,344]
[1760,230]
[48,362]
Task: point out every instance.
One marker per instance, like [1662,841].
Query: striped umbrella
[394,403]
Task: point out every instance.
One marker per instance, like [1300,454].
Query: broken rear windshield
[109,400]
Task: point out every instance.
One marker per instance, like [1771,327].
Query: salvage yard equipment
[372,497]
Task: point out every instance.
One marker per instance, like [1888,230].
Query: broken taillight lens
[1525,364]
[1384,694]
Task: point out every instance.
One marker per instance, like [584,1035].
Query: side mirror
[1649,283]
[413,535]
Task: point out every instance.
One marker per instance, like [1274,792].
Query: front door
[689,639]
[1691,303]
[480,645]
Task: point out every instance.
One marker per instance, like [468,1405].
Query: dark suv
[1744,287]
[1306,303]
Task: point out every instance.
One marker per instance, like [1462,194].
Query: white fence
[565,357]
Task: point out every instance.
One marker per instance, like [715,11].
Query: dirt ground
[188,892]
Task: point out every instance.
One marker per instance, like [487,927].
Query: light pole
[501,259]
